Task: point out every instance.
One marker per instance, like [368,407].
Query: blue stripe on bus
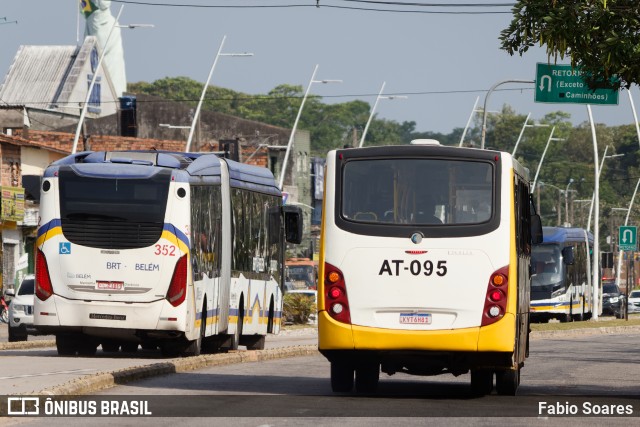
[48,226]
[179,234]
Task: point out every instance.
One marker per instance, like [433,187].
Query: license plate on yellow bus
[415,318]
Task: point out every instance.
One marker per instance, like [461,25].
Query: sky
[442,62]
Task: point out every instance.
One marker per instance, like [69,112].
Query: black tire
[195,347]
[87,347]
[235,339]
[67,345]
[4,316]
[342,377]
[170,350]
[507,382]
[367,377]
[15,335]
[481,381]
[110,346]
[256,342]
[129,347]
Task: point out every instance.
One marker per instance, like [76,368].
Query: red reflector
[415,252]
[172,319]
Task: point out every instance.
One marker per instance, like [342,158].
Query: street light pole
[373,109]
[83,113]
[295,123]
[551,138]
[566,202]
[204,90]
[486,100]
[515,148]
[626,222]
[593,196]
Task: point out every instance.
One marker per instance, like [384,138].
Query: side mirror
[536,229]
[567,255]
[292,224]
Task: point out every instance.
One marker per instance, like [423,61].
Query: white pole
[635,116]
[535,179]
[83,113]
[486,101]
[596,222]
[473,110]
[520,136]
[293,131]
[593,196]
[375,104]
[196,115]
[626,222]
[204,91]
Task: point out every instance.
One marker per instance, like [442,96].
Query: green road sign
[628,238]
[563,84]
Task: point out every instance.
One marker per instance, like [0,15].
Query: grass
[634,320]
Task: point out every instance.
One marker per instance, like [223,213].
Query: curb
[103,380]
[608,330]
[20,345]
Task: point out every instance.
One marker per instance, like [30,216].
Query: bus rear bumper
[58,314]
[498,337]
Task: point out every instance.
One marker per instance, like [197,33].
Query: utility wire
[333,6]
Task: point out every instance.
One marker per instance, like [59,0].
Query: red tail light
[336,301]
[495,304]
[178,289]
[44,289]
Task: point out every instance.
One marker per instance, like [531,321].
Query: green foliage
[298,307]
[602,37]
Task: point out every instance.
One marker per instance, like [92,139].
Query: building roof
[44,77]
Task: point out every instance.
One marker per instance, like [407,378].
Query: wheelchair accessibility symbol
[65,248]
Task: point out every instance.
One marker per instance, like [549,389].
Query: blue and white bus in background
[180,251]
[561,282]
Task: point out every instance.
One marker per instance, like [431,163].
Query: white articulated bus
[561,284]
[424,265]
[179,251]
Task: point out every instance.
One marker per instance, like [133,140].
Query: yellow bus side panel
[500,336]
[337,336]
[333,335]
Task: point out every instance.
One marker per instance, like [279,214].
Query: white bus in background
[424,265]
[561,283]
[179,251]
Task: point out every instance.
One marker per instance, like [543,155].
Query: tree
[602,37]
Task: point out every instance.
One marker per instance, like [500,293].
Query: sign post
[562,84]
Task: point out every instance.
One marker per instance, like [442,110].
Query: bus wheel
[110,346]
[87,347]
[195,347]
[129,347]
[481,381]
[367,377]
[256,342]
[507,382]
[341,376]
[67,345]
[238,335]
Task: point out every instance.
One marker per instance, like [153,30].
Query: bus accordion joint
[496,300]
[337,303]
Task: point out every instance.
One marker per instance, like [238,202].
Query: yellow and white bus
[181,251]
[425,265]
